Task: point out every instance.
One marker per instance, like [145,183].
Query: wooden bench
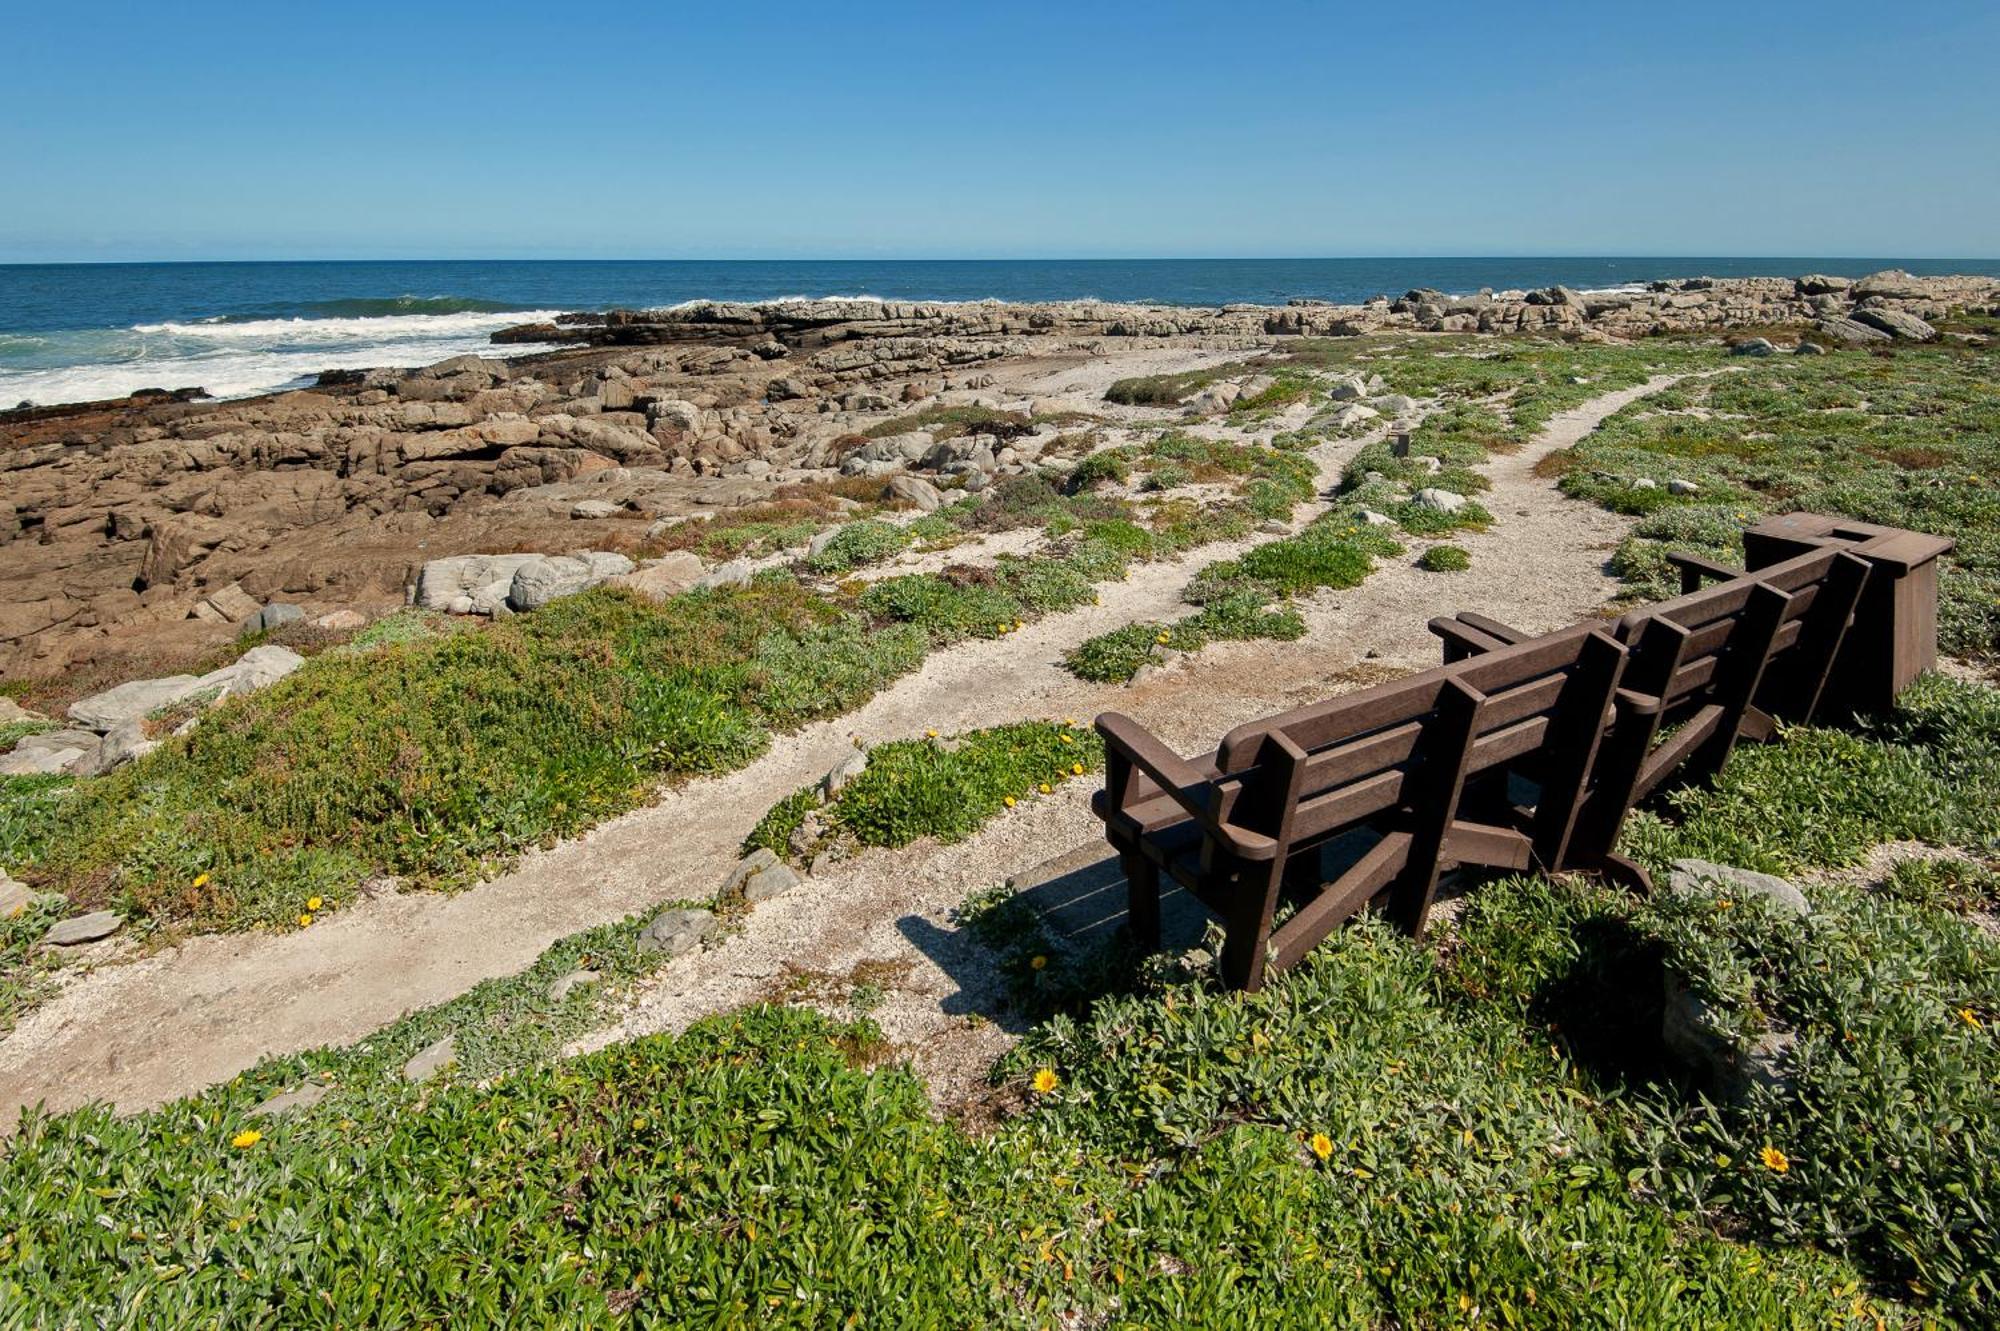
[1705,669]
[1388,766]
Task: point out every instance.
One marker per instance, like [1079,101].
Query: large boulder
[1441,501]
[916,490]
[258,668]
[657,579]
[453,582]
[1850,331]
[1907,327]
[137,699]
[547,577]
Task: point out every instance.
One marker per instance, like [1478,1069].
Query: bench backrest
[1354,757]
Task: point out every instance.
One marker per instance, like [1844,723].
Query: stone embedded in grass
[1441,501]
[1753,346]
[915,490]
[842,772]
[432,1059]
[765,884]
[736,573]
[284,1102]
[560,988]
[14,896]
[84,928]
[1691,875]
[101,711]
[674,932]
[1677,486]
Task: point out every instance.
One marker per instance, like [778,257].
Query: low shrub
[1444,559]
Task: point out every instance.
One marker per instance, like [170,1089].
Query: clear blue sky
[850,129]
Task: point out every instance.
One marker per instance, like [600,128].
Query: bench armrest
[1492,628]
[1179,780]
[1694,568]
[1462,640]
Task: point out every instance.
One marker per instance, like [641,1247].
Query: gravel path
[145,1032]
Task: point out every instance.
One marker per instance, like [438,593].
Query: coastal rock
[123,743]
[842,772]
[14,896]
[547,577]
[431,1060]
[1441,501]
[1897,324]
[136,699]
[594,508]
[915,490]
[443,582]
[1752,346]
[735,573]
[1696,875]
[258,668]
[273,616]
[84,929]
[303,1096]
[561,987]
[1850,330]
[674,932]
[658,579]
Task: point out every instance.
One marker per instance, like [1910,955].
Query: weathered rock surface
[304,1096]
[431,1059]
[84,928]
[1693,875]
[674,932]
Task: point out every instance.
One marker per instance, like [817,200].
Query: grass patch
[1911,440]
[1445,559]
[931,787]
[1390,1134]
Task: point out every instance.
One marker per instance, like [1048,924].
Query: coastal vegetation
[1478,1131]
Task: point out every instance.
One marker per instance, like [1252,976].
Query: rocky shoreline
[162,524]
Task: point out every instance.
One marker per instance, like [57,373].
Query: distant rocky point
[164,523]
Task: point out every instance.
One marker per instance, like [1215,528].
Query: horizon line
[983,259]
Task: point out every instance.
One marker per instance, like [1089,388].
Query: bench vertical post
[1575,733]
[1435,789]
[1654,657]
[1739,674]
[1266,804]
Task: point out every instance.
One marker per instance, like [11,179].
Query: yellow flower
[305,920]
[1037,962]
[1067,739]
[201,880]
[1045,787]
[1774,1160]
[1020,624]
[1076,769]
[1010,801]
[930,734]
[246,1139]
[1161,638]
[1005,626]
[1969,1017]
[313,903]
[1046,1081]
[1069,721]
[1321,1144]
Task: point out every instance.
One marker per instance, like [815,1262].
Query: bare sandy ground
[145,1032]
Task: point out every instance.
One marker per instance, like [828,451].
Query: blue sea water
[76,332]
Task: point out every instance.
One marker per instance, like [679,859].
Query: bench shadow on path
[1079,897]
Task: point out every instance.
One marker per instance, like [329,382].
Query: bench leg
[1142,900]
[1244,946]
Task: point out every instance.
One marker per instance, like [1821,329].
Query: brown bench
[1387,766]
[1705,669]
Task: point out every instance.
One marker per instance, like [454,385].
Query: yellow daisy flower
[1321,1144]
[246,1139]
[1045,1082]
[1774,1159]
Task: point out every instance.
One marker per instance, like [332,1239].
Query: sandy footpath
[141,1033]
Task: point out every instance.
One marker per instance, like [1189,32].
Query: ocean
[77,332]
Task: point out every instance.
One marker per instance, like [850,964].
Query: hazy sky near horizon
[872,130]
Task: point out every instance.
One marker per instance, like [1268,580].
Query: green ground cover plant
[946,788]
[1445,559]
[1476,1130]
[1909,439]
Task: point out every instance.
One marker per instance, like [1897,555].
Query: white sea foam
[242,359]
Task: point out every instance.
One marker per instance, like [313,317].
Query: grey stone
[441,582]
[1677,486]
[822,540]
[258,668]
[1395,403]
[1718,1062]
[42,762]
[122,744]
[768,883]
[232,603]
[674,932]
[1690,875]
[916,490]
[1850,330]
[1645,483]
[137,698]
[1808,349]
[1753,346]
[431,1060]
[842,772]
[1441,501]
[755,862]
[1907,327]
[560,988]
[1374,519]
[736,573]
[303,1096]
[660,578]
[547,577]
[84,928]
[594,508]
[14,896]
[275,615]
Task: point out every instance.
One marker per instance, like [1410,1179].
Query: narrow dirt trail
[145,1032]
